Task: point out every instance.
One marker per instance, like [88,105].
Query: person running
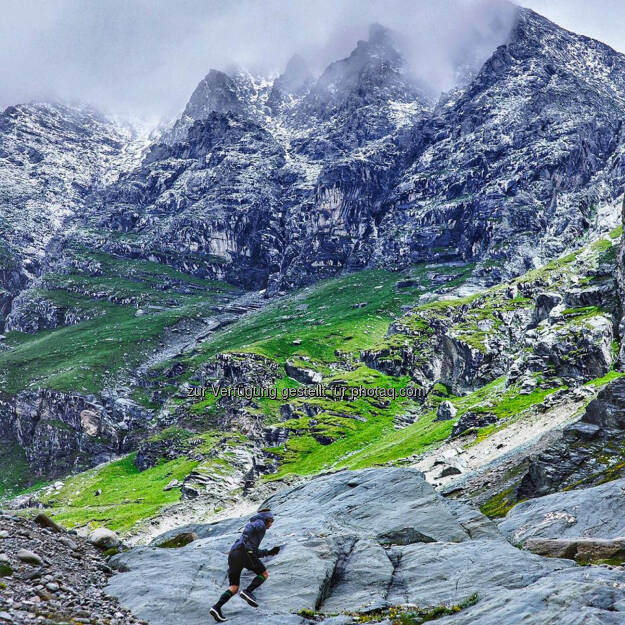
[245,554]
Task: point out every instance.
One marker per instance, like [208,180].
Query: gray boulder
[104,538]
[581,550]
[597,512]
[30,557]
[446,410]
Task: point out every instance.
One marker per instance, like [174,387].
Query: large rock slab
[353,542]
[393,506]
[334,532]
[574,596]
[597,512]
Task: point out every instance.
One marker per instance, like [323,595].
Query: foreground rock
[104,538]
[48,577]
[597,512]
[357,541]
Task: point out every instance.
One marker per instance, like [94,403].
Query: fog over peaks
[143,58]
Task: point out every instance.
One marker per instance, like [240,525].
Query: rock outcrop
[358,541]
[64,432]
[588,451]
[597,512]
[581,550]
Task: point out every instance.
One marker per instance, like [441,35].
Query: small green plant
[309,614]
[499,505]
[418,616]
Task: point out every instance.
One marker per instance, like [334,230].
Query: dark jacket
[253,535]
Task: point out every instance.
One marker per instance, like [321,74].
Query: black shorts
[240,559]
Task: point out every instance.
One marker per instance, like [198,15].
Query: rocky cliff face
[51,157]
[589,451]
[62,433]
[281,184]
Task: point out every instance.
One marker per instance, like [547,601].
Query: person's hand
[274,551]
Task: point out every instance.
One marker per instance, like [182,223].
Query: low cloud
[144,57]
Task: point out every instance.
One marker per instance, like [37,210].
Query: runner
[245,554]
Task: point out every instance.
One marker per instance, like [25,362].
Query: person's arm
[268,552]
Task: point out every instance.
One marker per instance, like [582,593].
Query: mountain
[361,168]
[52,156]
[449,269]
[278,184]
[232,198]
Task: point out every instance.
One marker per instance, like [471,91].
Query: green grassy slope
[118,494]
[349,313]
[326,328]
[113,340]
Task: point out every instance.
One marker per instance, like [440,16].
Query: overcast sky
[144,57]
[600,19]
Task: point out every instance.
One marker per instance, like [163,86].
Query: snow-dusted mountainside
[514,167]
[52,157]
[279,183]
[252,170]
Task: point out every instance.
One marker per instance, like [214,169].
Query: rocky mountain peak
[217,92]
[235,91]
[530,25]
[374,72]
[380,35]
[379,50]
[294,82]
